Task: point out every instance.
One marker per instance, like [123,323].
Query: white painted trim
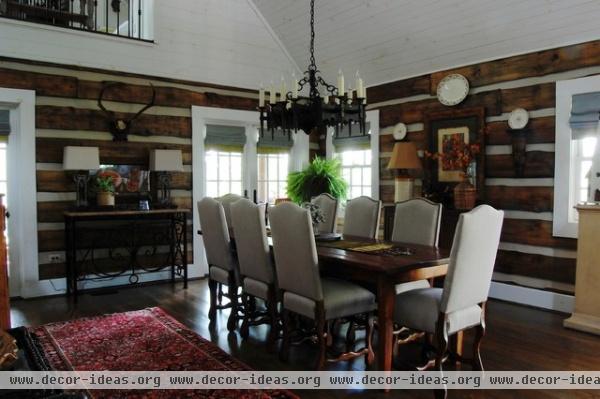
[536,113]
[201,116]
[525,182]
[562,226]
[23,222]
[532,297]
[538,250]
[372,118]
[507,149]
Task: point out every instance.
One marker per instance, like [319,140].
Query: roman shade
[225,138]
[351,139]
[585,115]
[4,123]
[274,142]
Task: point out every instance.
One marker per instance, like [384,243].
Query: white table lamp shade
[81,158]
[166,161]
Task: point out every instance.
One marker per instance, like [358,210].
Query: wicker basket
[465,196]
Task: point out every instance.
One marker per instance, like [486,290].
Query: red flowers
[455,154]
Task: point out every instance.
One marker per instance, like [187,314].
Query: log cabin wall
[67,114]
[529,255]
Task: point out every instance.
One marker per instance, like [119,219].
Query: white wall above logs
[214,41]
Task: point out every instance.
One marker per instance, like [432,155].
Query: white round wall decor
[452,89]
[518,118]
[399,131]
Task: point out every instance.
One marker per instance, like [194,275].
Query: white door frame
[22,190]
[201,116]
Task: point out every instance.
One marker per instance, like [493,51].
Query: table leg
[68,259]
[385,323]
[184,260]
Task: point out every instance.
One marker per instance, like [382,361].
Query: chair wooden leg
[245,328]
[233,297]
[272,312]
[220,294]
[442,347]
[321,334]
[284,352]
[212,312]
[369,336]
[479,334]
[351,333]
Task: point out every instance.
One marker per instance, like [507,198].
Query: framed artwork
[443,130]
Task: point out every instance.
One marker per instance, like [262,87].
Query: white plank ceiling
[392,39]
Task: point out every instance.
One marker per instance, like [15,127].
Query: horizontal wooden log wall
[529,254]
[67,114]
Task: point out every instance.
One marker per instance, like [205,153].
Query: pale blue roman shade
[225,138]
[275,142]
[585,115]
[4,122]
[351,139]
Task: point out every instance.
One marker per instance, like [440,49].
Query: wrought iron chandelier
[287,111]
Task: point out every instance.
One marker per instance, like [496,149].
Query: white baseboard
[532,297]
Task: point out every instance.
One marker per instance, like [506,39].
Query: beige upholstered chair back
[472,258]
[362,217]
[215,234]
[329,207]
[250,234]
[295,251]
[417,221]
[226,200]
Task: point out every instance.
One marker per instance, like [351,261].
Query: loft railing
[125,18]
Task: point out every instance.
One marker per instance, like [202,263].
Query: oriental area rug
[143,340]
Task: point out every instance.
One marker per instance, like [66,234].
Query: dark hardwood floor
[519,338]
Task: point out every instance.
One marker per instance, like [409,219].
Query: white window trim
[373,121]
[201,116]
[561,226]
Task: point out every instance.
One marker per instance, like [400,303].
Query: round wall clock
[452,89]
[518,118]
[399,131]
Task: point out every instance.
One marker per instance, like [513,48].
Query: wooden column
[4,301]
[586,316]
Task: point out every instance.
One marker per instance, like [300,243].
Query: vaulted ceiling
[392,39]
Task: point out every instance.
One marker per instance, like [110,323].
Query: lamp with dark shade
[404,158]
[163,162]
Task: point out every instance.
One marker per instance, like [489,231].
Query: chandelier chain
[313,63]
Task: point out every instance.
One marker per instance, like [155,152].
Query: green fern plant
[321,176]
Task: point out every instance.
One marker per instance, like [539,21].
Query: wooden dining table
[381,270]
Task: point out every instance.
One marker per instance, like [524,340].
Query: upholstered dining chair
[226,200]
[305,292]
[222,261]
[329,207]
[416,221]
[460,305]
[362,217]
[257,272]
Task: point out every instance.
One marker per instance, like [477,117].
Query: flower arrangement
[315,214]
[105,184]
[456,154]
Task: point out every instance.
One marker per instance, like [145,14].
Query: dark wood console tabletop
[103,245]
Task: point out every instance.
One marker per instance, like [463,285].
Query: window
[272,176]
[223,172]
[582,159]
[356,170]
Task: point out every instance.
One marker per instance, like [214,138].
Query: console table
[103,245]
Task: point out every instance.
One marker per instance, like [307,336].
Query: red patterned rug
[143,340]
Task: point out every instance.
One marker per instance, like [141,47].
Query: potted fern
[321,176]
[105,187]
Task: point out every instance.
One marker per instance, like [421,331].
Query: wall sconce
[163,162]
[517,120]
[81,160]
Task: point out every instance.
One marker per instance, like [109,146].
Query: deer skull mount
[120,127]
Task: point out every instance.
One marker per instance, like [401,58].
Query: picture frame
[440,126]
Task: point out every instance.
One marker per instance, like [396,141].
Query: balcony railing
[124,18]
